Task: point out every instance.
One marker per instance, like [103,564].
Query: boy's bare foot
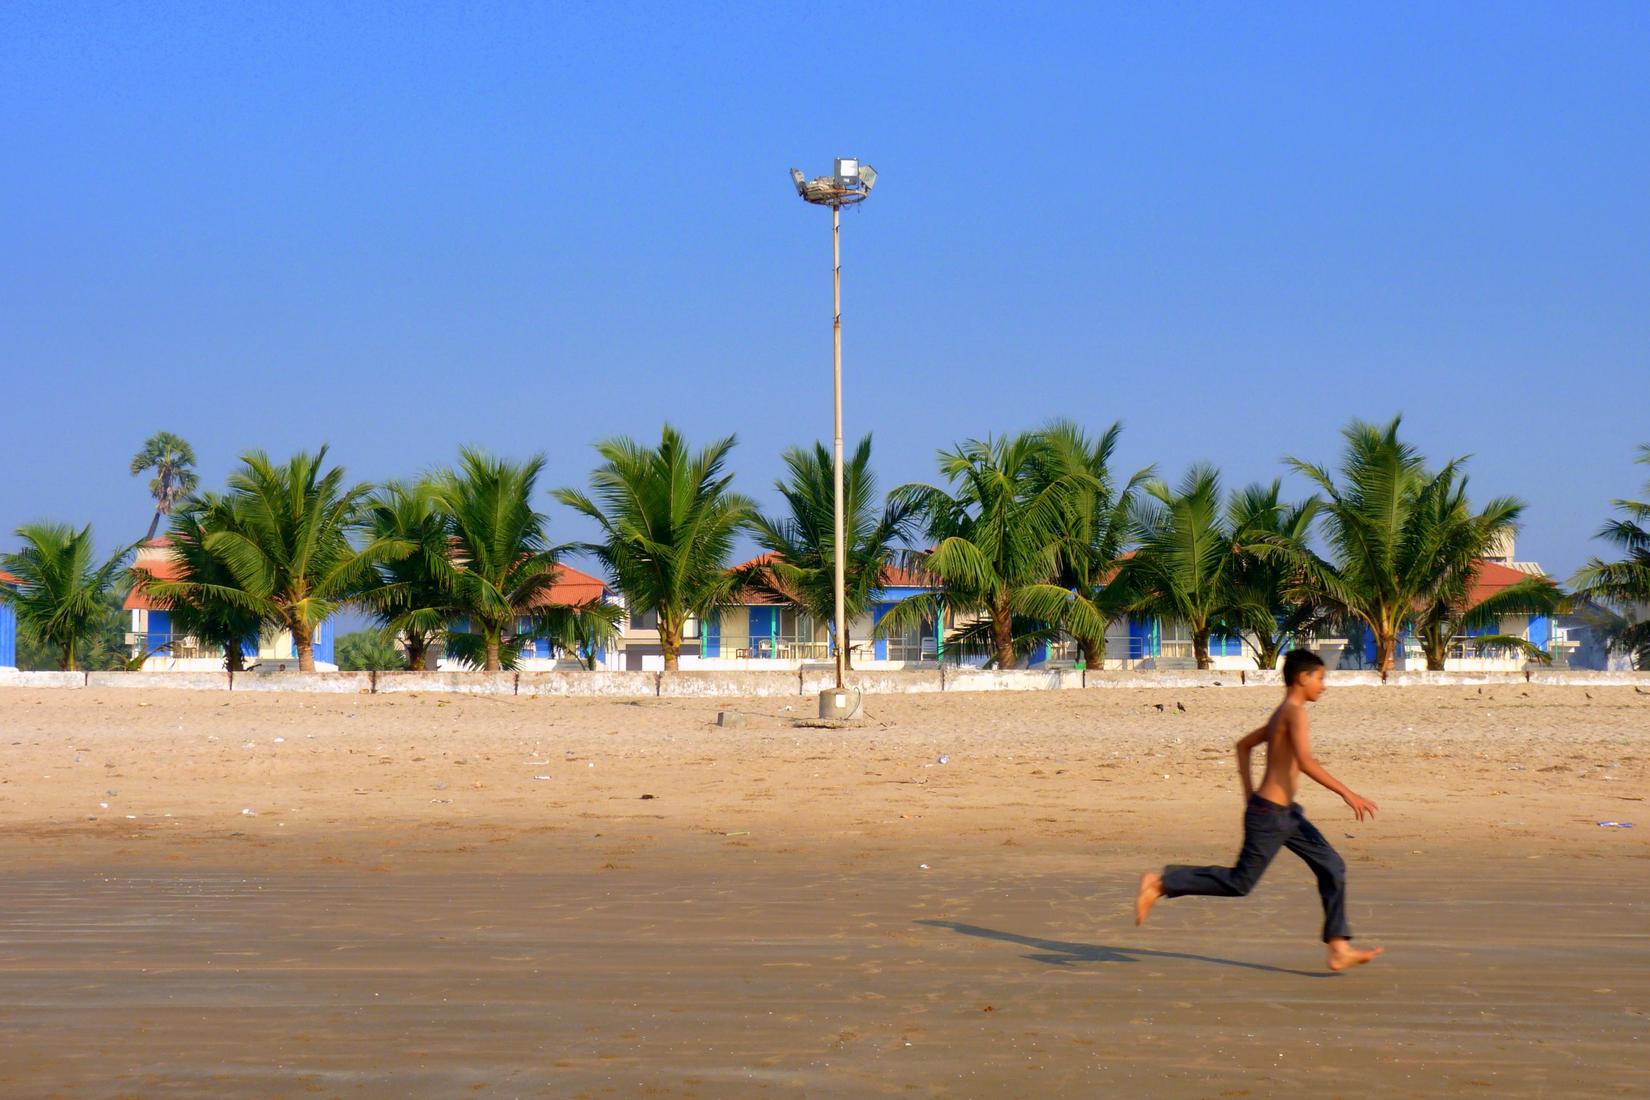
[1151,888]
[1343,956]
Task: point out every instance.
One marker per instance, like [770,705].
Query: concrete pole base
[838,702]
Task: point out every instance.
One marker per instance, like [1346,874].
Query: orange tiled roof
[893,576]
[572,587]
[1491,579]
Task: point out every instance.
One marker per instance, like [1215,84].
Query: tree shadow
[1063,953]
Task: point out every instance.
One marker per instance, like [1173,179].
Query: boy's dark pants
[1267,827]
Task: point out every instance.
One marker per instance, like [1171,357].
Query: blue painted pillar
[713,635]
[879,648]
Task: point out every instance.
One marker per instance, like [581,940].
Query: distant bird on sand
[1181,707]
[1159,707]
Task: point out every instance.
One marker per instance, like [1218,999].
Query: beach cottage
[149,633]
[571,588]
[761,631]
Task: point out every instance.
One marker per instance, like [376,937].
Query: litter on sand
[1615,824]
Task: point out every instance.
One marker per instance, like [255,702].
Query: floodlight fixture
[849,182]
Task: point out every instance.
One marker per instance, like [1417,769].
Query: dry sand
[266,895]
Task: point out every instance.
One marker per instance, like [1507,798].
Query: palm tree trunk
[68,657]
[1002,634]
[154,525]
[305,643]
[232,659]
[1094,652]
[1200,649]
[670,642]
[491,635]
[1386,647]
[418,652]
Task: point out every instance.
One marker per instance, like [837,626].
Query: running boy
[1273,819]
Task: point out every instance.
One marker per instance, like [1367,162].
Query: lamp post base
[838,702]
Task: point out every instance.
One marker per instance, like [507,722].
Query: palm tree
[502,565]
[204,599]
[1447,608]
[1625,581]
[668,520]
[171,457]
[997,538]
[61,593]
[1185,568]
[1096,536]
[581,629]
[413,596]
[1393,531]
[801,570]
[1270,604]
[285,534]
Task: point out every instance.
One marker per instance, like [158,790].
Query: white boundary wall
[692,684]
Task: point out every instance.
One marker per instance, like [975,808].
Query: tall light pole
[849,184]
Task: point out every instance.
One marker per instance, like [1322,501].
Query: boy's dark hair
[1297,661]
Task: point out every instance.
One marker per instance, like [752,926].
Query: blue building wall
[8,636]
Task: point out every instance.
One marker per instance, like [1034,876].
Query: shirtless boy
[1273,819]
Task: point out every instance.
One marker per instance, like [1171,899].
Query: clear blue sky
[1233,227]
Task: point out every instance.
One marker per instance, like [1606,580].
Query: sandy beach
[260,895]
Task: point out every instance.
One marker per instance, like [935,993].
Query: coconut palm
[1270,604]
[1447,609]
[1185,569]
[413,595]
[668,520]
[285,534]
[61,594]
[582,629]
[801,570]
[997,536]
[1393,535]
[502,564]
[1095,537]
[1625,581]
[171,458]
[204,599]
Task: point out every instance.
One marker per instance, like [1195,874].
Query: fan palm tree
[502,564]
[1625,581]
[1394,535]
[1270,604]
[802,568]
[204,599]
[413,595]
[172,459]
[285,534]
[1095,537]
[668,520]
[1186,566]
[60,597]
[997,537]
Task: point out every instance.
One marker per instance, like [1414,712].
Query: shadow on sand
[1061,953]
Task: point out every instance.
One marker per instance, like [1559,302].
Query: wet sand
[410,911]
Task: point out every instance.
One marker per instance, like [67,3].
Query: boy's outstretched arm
[1302,741]
[1245,746]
